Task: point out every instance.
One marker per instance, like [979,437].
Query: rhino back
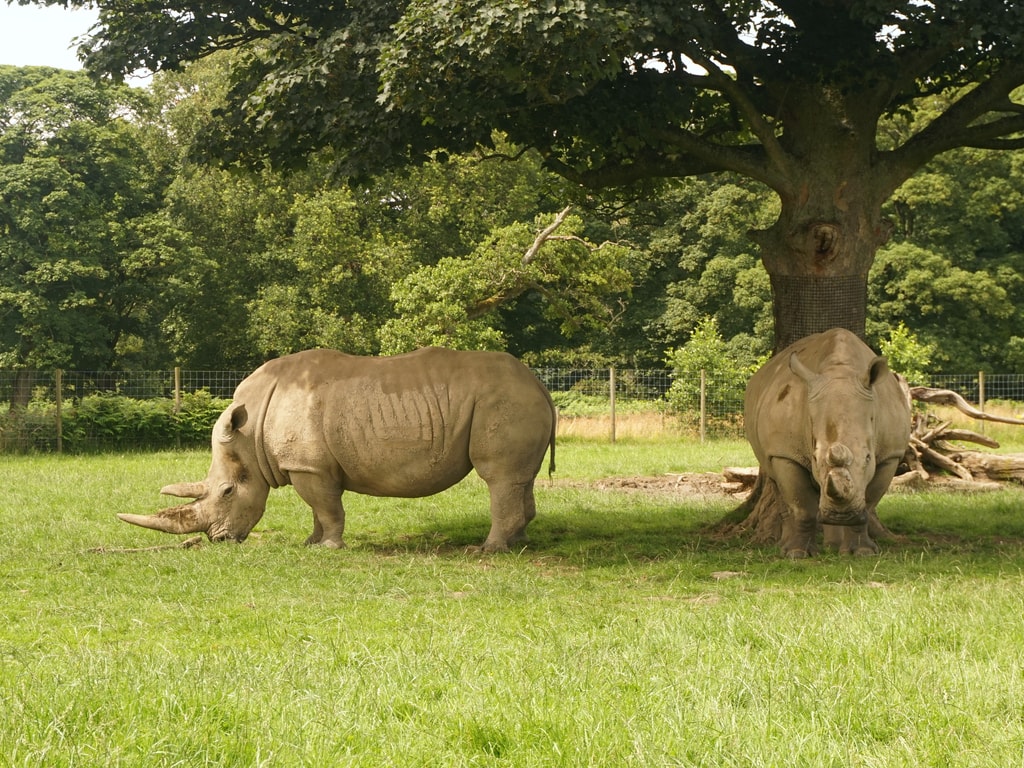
[395,426]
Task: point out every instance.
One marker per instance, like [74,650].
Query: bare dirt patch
[686,485]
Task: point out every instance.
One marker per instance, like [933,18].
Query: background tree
[82,244]
[700,262]
[725,368]
[789,93]
[333,282]
[953,271]
[455,302]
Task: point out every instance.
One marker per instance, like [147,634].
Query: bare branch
[948,397]
[737,94]
[545,233]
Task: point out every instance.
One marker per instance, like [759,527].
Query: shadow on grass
[600,530]
[595,534]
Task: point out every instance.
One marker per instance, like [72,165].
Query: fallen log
[1006,467]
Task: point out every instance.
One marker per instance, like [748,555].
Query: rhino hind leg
[324,496]
[512,508]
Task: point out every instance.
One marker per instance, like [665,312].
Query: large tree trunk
[818,255]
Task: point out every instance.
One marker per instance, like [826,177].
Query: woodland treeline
[123,247]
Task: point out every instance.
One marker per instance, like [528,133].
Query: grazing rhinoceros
[410,425]
[829,424]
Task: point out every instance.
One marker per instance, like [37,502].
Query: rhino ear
[878,370]
[800,369]
[233,418]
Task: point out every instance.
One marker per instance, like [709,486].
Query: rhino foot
[486,548]
[850,540]
[797,554]
[860,551]
[316,541]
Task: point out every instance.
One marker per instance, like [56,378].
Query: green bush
[113,421]
[198,414]
[108,420]
[27,430]
[726,373]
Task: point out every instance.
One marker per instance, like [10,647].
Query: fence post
[58,381]
[177,403]
[611,397]
[703,403]
[981,398]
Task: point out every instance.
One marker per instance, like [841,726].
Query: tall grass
[622,636]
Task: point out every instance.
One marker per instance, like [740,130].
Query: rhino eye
[226,490]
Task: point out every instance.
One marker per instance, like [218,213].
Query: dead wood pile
[935,446]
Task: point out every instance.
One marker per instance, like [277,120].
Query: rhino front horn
[183,519]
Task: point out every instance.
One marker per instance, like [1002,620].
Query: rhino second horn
[183,519]
[185,490]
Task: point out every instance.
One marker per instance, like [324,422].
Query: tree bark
[818,255]
[21,393]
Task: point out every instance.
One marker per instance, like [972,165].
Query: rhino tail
[551,441]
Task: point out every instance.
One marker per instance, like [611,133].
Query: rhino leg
[854,539]
[512,508]
[800,518]
[324,496]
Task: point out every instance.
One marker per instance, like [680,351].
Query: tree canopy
[790,93]
[82,244]
[120,251]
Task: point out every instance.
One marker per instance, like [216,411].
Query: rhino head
[841,413]
[232,498]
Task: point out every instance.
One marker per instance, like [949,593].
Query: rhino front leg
[324,496]
[800,516]
[855,539]
[850,539]
[512,508]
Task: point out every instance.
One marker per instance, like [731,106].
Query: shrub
[725,372]
[907,355]
[114,421]
[109,420]
[198,414]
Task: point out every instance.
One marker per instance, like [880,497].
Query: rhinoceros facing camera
[410,425]
[829,423]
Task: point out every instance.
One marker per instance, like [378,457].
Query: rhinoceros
[829,423]
[407,426]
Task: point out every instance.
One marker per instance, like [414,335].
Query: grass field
[622,636]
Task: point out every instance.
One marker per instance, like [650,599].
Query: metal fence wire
[136,410]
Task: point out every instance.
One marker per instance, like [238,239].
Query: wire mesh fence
[137,410]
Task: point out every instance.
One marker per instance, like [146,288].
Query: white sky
[41,36]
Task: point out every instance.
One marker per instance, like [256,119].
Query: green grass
[623,636]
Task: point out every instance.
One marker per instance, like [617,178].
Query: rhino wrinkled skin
[829,423]
[407,426]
